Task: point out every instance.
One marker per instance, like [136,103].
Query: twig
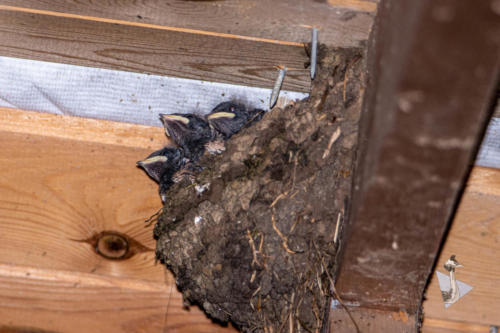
[295,162]
[256,291]
[346,75]
[252,278]
[333,138]
[320,285]
[283,237]
[153,218]
[297,220]
[337,296]
[336,230]
[261,241]
[254,250]
[278,198]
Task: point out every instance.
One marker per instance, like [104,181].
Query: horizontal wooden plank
[82,129]
[431,325]
[65,179]
[474,239]
[342,22]
[150,50]
[57,301]
[55,193]
[370,320]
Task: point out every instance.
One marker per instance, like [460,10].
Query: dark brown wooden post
[433,67]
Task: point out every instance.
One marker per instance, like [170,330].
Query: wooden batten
[60,301]
[134,48]
[82,129]
[342,22]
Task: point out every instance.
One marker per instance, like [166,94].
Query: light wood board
[59,301]
[57,189]
[474,238]
[342,22]
[147,138]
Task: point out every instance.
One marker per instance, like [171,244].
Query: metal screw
[314,52]
[277,87]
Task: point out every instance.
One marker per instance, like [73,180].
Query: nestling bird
[188,131]
[193,135]
[166,167]
[228,118]
[452,295]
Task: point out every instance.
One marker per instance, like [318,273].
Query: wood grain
[146,50]
[370,320]
[475,239]
[57,189]
[343,23]
[446,326]
[59,301]
[55,192]
[82,129]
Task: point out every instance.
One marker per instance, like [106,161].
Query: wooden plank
[58,301]
[63,180]
[82,129]
[370,321]
[431,325]
[416,146]
[343,22]
[474,239]
[149,50]
[55,193]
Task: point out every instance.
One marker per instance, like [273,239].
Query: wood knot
[112,245]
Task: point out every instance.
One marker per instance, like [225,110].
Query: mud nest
[253,240]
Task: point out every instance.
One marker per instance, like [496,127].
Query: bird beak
[175,126]
[154,159]
[166,118]
[217,115]
[153,166]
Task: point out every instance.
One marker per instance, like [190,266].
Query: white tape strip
[489,153]
[117,95]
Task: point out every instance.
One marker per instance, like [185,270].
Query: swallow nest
[254,239]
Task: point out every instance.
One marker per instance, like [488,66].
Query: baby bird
[188,131]
[165,166]
[229,118]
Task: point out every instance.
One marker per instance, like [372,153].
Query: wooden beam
[419,131]
[169,52]
[343,22]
